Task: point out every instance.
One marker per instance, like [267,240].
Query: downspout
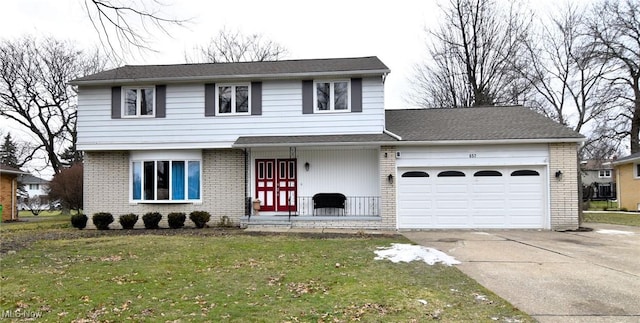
[392,134]
[13,198]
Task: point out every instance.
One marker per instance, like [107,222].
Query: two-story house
[36,193]
[598,179]
[216,137]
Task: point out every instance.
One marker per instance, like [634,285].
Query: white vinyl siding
[352,172]
[186,126]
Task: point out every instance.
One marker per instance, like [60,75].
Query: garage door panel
[487,197]
[450,188]
[488,188]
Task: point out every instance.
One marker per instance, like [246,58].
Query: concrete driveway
[553,276]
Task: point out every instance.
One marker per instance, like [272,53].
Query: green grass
[603,205]
[237,277]
[57,221]
[632,219]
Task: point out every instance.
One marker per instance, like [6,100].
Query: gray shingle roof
[250,141]
[628,159]
[185,72]
[482,123]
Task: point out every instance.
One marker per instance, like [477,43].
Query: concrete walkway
[553,276]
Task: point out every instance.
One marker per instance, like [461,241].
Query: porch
[356,209]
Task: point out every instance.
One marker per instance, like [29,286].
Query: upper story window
[605,173]
[139,101]
[332,96]
[637,170]
[233,99]
[34,186]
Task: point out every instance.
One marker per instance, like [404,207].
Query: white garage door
[488,197]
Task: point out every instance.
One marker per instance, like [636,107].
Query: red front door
[276,184]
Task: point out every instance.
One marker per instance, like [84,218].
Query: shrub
[225,222]
[176,220]
[151,220]
[200,218]
[102,220]
[127,221]
[79,221]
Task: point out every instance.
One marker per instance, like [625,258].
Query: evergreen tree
[8,152]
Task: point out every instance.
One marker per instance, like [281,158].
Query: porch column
[388,187]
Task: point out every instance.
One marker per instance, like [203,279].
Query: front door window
[276,184]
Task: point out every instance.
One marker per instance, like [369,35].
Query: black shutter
[356,95]
[161,101]
[256,98]
[210,100]
[307,97]
[116,102]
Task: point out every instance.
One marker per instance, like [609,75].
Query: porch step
[265,224]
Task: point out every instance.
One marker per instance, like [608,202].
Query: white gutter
[197,79]
[488,142]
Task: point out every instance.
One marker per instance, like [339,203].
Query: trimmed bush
[176,220]
[102,220]
[79,221]
[128,221]
[151,220]
[200,218]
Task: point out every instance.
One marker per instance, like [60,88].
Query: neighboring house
[9,192]
[36,191]
[598,179]
[628,181]
[215,137]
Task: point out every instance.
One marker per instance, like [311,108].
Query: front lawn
[216,275]
[614,218]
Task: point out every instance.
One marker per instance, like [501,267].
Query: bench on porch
[329,200]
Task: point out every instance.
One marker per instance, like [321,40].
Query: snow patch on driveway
[615,232]
[401,252]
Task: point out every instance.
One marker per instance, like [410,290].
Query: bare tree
[234,46]
[34,91]
[471,57]
[569,83]
[123,25]
[615,28]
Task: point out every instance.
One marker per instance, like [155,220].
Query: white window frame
[233,99]
[171,156]
[636,169]
[332,83]
[604,173]
[138,114]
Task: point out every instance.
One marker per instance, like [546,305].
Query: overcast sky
[394,31]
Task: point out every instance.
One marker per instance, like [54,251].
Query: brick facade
[106,187]
[563,197]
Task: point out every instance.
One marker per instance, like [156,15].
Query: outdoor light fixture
[390,179]
[559,174]
[306,166]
